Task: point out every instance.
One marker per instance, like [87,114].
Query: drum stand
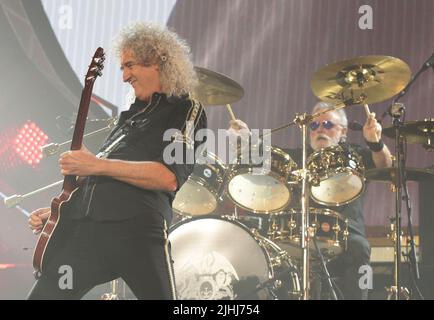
[302,121]
[117,291]
[401,193]
[397,111]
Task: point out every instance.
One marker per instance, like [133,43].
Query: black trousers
[98,252]
[346,267]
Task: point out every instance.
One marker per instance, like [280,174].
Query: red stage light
[28,143]
[21,145]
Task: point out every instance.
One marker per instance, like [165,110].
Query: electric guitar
[56,230]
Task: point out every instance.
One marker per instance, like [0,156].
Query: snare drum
[329,228]
[199,195]
[263,193]
[219,258]
[337,175]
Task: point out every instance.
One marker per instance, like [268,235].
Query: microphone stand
[53,148]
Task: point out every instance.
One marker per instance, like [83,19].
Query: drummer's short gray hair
[340,112]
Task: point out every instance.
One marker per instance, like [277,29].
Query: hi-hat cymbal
[415,132]
[369,79]
[216,89]
[391,174]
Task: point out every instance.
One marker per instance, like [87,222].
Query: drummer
[330,129]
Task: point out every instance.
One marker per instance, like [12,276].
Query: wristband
[375,146]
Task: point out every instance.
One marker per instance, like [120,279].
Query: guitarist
[123,207]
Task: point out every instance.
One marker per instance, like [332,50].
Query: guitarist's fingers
[35,225]
[35,220]
[44,216]
[40,211]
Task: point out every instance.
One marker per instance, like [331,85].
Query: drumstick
[368,112]
[231,113]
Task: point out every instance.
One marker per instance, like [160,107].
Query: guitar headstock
[96,66]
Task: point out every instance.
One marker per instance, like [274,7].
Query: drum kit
[219,256]
[223,257]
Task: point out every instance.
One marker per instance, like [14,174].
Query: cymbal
[216,89]
[368,79]
[391,174]
[416,132]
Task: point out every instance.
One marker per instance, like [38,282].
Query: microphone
[429,62]
[355,126]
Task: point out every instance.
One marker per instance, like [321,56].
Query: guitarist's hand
[38,218]
[79,162]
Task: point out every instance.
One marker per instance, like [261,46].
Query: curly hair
[156,44]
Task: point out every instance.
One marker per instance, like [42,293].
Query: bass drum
[218,258]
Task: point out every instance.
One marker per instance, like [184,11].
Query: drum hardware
[277,284]
[390,175]
[118,291]
[16,199]
[53,148]
[329,228]
[416,132]
[392,293]
[398,115]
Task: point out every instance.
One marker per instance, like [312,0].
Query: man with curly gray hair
[124,205]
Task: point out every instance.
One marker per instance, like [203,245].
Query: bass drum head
[194,199]
[215,258]
[258,193]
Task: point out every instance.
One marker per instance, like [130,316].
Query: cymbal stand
[302,121]
[117,291]
[397,110]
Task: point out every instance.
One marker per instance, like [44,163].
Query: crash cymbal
[369,79]
[216,89]
[416,132]
[390,174]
